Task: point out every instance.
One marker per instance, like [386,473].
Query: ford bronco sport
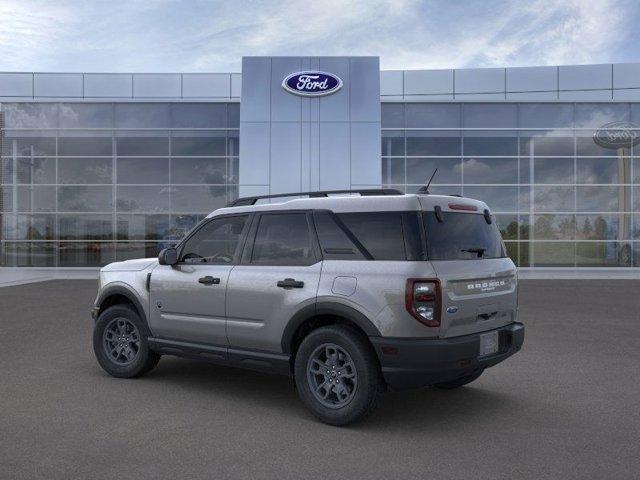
[350,294]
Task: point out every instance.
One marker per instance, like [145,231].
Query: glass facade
[560,199]
[85,184]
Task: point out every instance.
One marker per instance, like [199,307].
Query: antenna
[425,190]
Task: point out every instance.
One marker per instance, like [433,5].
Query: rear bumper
[413,363]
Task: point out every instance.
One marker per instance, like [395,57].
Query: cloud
[167,35]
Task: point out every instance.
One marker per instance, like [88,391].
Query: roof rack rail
[245,201]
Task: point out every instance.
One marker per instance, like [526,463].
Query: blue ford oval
[312,83]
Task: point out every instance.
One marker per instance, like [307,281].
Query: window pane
[488,115]
[144,227]
[490,170]
[283,239]
[546,144]
[32,227]
[553,170]
[142,170]
[552,254]
[30,115]
[545,115]
[586,145]
[508,226]
[393,170]
[233,115]
[432,115]
[80,254]
[85,199]
[419,170]
[334,242]
[36,199]
[85,170]
[85,227]
[603,199]
[182,224]
[36,170]
[33,146]
[143,199]
[603,254]
[199,170]
[199,115]
[142,146]
[216,242]
[380,233]
[554,199]
[197,199]
[90,146]
[554,227]
[425,144]
[233,143]
[93,115]
[6,199]
[603,227]
[41,254]
[603,170]
[512,251]
[392,115]
[145,115]
[6,170]
[499,199]
[392,143]
[598,114]
[202,146]
[490,144]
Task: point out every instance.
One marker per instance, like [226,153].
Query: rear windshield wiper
[478,250]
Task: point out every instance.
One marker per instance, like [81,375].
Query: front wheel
[120,343]
[337,375]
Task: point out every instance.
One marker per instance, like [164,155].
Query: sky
[212,36]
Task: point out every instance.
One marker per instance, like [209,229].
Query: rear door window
[462,236]
[283,239]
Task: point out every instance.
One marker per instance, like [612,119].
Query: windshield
[462,236]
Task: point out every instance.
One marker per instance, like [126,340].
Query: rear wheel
[459,382]
[337,375]
[120,343]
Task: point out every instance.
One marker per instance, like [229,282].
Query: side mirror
[168,256]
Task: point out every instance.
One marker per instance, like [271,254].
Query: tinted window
[334,242]
[216,242]
[380,233]
[461,236]
[283,239]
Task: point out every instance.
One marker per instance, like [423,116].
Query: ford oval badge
[452,309]
[617,135]
[312,83]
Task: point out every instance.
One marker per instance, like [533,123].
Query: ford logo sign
[617,135]
[312,84]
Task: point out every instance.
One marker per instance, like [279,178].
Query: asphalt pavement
[567,406]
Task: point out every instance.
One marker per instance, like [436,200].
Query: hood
[130,265]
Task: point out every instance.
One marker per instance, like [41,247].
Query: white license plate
[488,343]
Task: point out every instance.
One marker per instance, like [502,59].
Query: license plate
[488,343]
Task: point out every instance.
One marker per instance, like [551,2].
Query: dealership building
[99,167]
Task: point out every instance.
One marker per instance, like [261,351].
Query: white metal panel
[427,82]
[57,85]
[479,80]
[391,82]
[532,79]
[585,77]
[108,85]
[16,84]
[157,85]
[203,85]
[626,75]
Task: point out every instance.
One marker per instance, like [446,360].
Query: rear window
[462,236]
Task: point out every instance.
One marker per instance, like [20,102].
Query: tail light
[423,302]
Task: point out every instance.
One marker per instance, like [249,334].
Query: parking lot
[565,407]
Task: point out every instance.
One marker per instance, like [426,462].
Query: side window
[334,242]
[216,242]
[283,239]
[383,234]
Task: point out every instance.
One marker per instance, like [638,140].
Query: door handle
[290,283]
[209,280]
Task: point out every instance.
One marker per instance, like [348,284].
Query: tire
[132,357]
[459,382]
[351,391]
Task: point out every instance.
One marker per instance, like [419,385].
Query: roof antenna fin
[425,189]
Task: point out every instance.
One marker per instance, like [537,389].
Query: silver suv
[349,293]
